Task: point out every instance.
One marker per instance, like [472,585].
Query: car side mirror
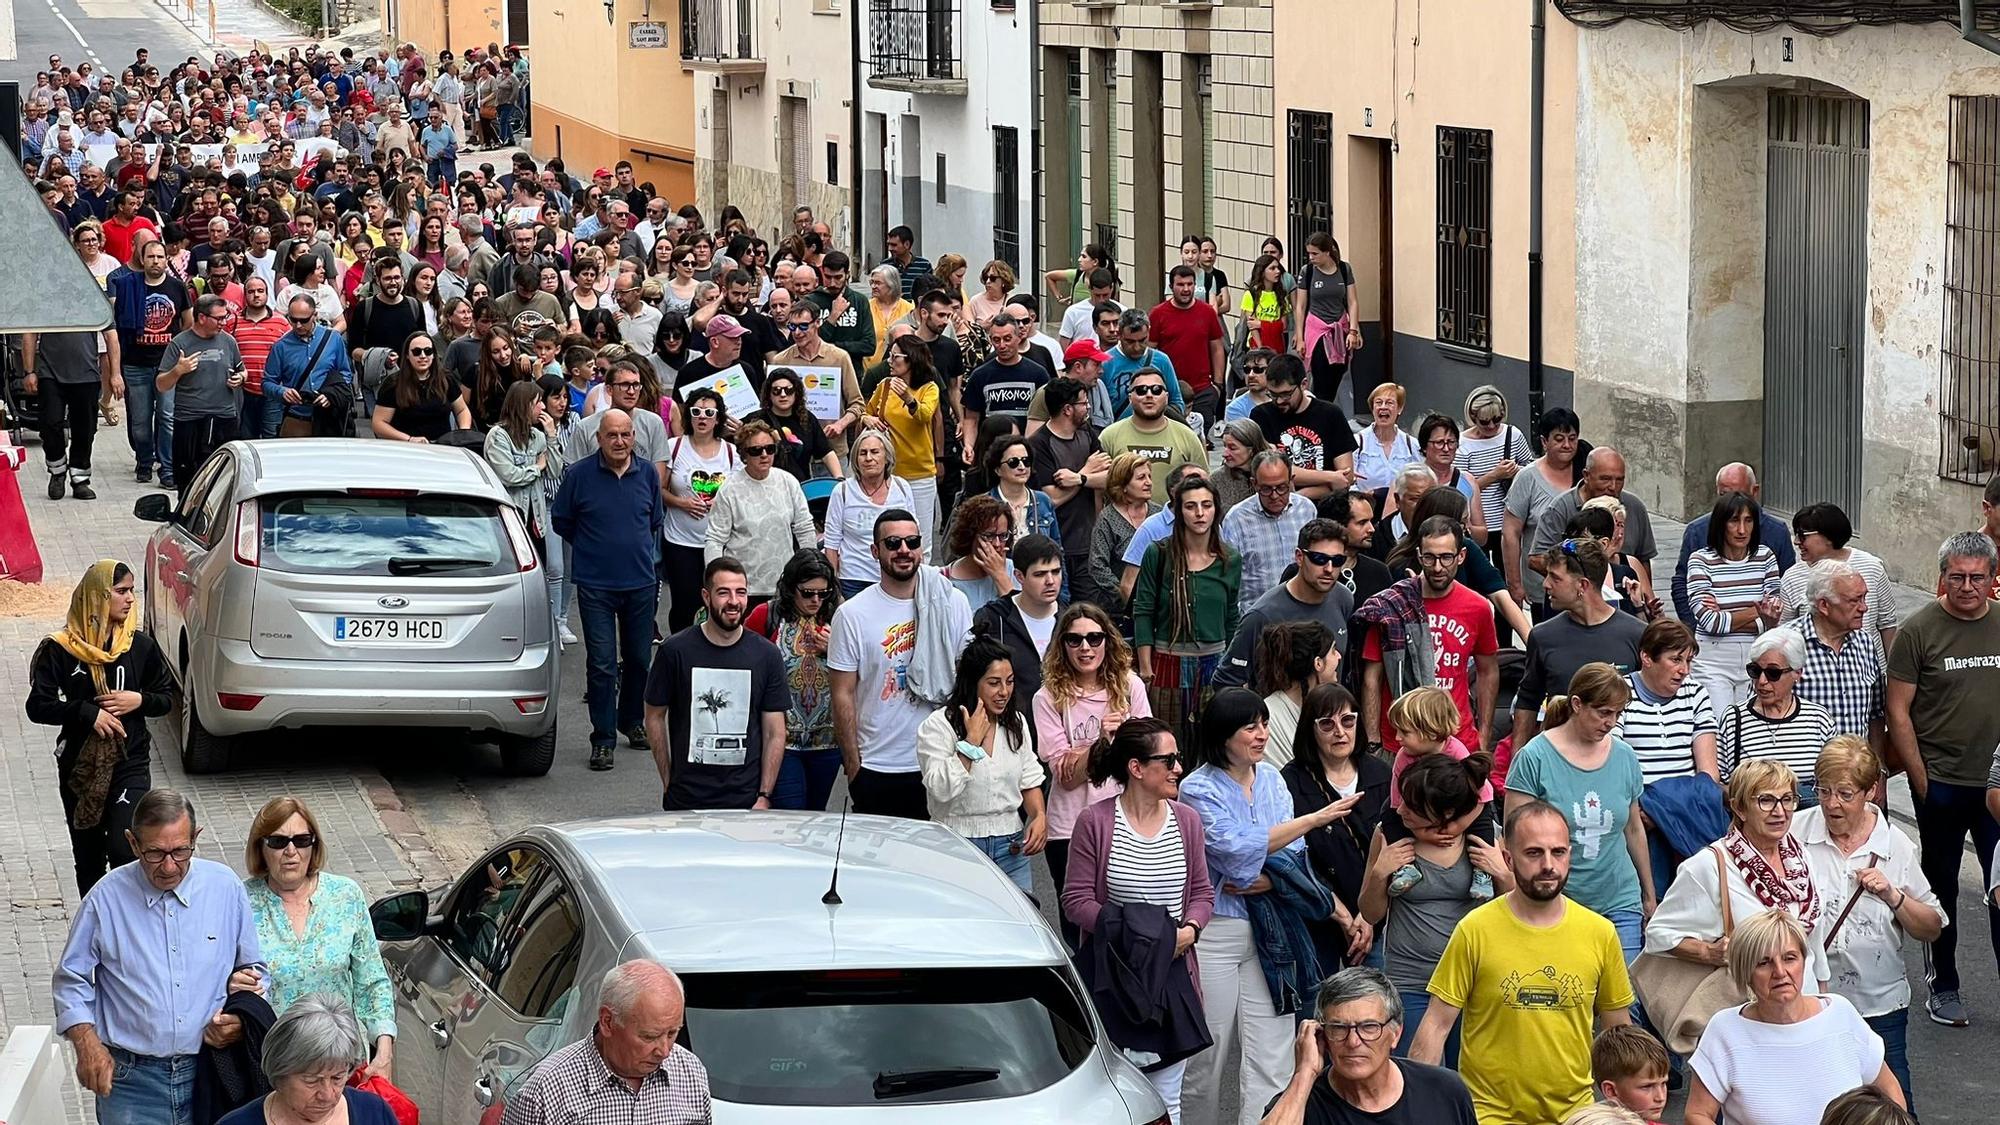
[154,507]
[401,917]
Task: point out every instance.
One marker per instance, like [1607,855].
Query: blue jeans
[556,560]
[1415,1004]
[617,645]
[148,1091]
[1631,926]
[805,779]
[149,421]
[506,122]
[259,417]
[1005,853]
[1894,1029]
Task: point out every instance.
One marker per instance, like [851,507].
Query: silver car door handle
[482,1089]
[441,1034]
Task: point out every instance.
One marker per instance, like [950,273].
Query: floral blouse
[338,953]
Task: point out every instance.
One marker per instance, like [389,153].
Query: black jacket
[62,694]
[1144,993]
[227,1077]
[1339,852]
[1001,620]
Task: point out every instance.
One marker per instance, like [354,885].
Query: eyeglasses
[1079,640]
[1274,489]
[303,841]
[1344,721]
[1428,559]
[1368,1031]
[760,451]
[157,856]
[1767,671]
[903,542]
[1148,390]
[632,385]
[1001,537]
[1967,579]
[1321,558]
[814,593]
[423,351]
[1443,442]
[1772,802]
[701,411]
[1840,796]
[1015,463]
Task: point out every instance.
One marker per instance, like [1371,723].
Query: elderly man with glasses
[1344,1071]
[153,951]
[1263,527]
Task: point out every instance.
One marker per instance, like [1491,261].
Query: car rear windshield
[387,535]
[884,1037]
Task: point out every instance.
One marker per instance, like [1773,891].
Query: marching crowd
[1133,596]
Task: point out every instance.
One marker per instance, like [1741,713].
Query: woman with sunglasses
[1009,463]
[982,532]
[1775,723]
[313,927]
[760,516]
[799,620]
[801,440]
[1326,769]
[981,777]
[1088,691]
[677,290]
[697,463]
[419,402]
[905,406]
[1142,847]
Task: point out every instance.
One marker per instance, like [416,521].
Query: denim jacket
[1278,924]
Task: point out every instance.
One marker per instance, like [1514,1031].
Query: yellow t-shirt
[1530,995]
[1264,308]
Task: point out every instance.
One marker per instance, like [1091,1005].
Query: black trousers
[69,426]
[194,440]
[680,569]
[890,794]
[105,846]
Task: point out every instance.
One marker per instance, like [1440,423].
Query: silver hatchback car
[325,582]
[932,993]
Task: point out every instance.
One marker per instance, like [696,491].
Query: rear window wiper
[413,564]
[897,1083]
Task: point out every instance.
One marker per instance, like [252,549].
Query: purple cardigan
[1083,893]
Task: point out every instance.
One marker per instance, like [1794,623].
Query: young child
[1603,1113]
[548,344]
[1630,1069]
[582,368]
[1426,722]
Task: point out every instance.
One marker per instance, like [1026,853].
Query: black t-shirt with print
[1312,438]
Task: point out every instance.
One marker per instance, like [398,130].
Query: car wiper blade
[412,564]
[896,1083]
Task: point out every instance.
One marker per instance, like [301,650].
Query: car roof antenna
[832,895]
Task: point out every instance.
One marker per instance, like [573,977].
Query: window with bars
[1007,195]
[1969,398]
[1308,178]
[912,40]
[1465,238]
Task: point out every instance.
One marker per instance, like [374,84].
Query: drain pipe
[1968,28]
[1538,55]
[857,230]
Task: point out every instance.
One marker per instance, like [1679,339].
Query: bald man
[630,1065]
[1733,477]
[1603,475]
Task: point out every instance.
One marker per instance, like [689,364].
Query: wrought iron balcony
[720,35]
[914,45]
[1819,17]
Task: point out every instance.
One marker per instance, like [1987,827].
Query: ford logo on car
[392,601]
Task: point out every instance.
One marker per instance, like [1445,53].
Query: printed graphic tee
[716,697]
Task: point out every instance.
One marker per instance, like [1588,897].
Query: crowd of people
[1135,596]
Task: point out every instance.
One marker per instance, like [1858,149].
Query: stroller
[22,411]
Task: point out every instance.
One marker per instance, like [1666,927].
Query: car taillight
[517,534]
[234,701]
[532,704]
[249,533]
[383,493]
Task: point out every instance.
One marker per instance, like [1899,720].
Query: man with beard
[739,294]
[1528,967]
[1149,432]
[609,508]
[1354,511]
[849,326]
[1312,593]
[716,702]
[1464,648]
[875,642]
[1312,432]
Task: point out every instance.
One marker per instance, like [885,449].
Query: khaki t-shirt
[1955,666]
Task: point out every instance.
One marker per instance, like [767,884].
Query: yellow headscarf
[87,633]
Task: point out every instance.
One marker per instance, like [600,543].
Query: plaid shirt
[574,1087]
[1848,683]
[1265,541]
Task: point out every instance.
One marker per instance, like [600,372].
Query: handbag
[489,112]
[399,1103]
[1681,996]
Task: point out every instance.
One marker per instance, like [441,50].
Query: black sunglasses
[1148,391]
[815,595]
[1015,463]
[1078,640]
[302,841]
[1321,558]
[903,542]
[760,451]
[1767,672]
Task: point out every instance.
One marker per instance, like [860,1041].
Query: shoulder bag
[1681,996]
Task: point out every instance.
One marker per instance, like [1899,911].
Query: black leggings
[1326,375]
[104,846]
[681,568]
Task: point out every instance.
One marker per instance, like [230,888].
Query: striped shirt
[1146,870]
[1881,596]
[1733,585]
[1478,456]
[1662,734]
[1795,740]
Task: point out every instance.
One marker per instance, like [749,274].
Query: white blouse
[1785,1074]
[1692,908]
[1867,953]
[986,799]
[850,525]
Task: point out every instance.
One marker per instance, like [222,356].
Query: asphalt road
[107,33]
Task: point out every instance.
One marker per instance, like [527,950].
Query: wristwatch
[763,794]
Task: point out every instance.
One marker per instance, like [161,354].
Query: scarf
[87,632]
[1791,890]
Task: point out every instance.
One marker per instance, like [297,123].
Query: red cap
[1084,349]
[601,174]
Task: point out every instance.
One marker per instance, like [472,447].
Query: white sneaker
[563,632]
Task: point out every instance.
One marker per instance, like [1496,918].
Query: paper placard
[822,386]
[734,387]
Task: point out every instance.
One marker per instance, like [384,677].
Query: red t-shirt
[1184,334]
[118,235]
[1461,628]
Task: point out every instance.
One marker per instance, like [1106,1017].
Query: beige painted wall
[612,102]
[1417,66]
[437,25]
[1670,291]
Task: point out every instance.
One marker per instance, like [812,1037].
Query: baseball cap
[1082,350]
[722,324]
[601,174]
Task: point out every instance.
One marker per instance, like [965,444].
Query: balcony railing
[914,45]
[1818,17]
[720,35]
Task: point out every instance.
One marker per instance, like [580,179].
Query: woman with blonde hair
[1875,881]
[1785,1056]
[951,269]
[1128,500]
[313,926]
[1580,767]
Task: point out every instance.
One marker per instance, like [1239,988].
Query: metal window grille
[1969,398]
[1465,237]
[1308,178]
[718,29]
[1007,195]
[914,39]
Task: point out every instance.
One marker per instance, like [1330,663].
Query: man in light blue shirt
[1134,351]
[142,978]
